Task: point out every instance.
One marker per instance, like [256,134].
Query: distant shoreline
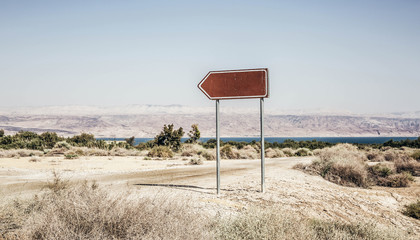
[361,140]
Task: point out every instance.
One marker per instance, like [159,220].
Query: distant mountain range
[148,120]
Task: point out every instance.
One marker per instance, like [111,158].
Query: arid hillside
[146,121]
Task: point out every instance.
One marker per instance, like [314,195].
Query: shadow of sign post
[236,84]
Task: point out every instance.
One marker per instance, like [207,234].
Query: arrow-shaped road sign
[235,84]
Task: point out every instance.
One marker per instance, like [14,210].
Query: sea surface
[363,140]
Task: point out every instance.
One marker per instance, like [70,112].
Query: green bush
[380,170]
[62,144]
[194,134]
[413,210]
[301,152]
[169,137]
[161,151]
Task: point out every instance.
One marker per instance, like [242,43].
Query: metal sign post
[218,146]
[236,84]
[262,144]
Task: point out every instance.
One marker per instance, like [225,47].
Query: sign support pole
[262,144]
[218,146]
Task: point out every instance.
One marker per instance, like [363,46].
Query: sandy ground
[240,186]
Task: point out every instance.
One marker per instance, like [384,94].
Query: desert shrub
[124,152]
[407,164]
[399,180]
[303,152]
[383,175]
[274,153]
[209,155]
[390,156]
[194,134]
[416,155]
[375,156]
[196,161]
[95,152]
[412,210]
[71,156]
[82,140]
[248,152]
[380,170]
[342,164]
[62,144]
[288,152]
[190,150]
[228,152]
[160,151]
[169,137]
[187,154]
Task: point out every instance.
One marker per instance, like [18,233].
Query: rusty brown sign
[235,84]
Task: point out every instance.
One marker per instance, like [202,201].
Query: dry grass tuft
[17,153]
[342,164]
[208,154]
[288,152]
[375,155]
[407,164]
[274,153]
[248,152]
[161,152]
[86,211]
[229,152]
[303,152]
[125,152]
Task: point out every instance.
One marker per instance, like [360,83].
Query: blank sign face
[235,84]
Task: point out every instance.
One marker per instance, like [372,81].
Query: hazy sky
[361,56]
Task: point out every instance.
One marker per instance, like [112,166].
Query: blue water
[363,140]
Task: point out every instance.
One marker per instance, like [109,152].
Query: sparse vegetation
[413,210]
[229,152]
[407,164]
[343,164]
[274,223]
[88,211]
[161,152]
